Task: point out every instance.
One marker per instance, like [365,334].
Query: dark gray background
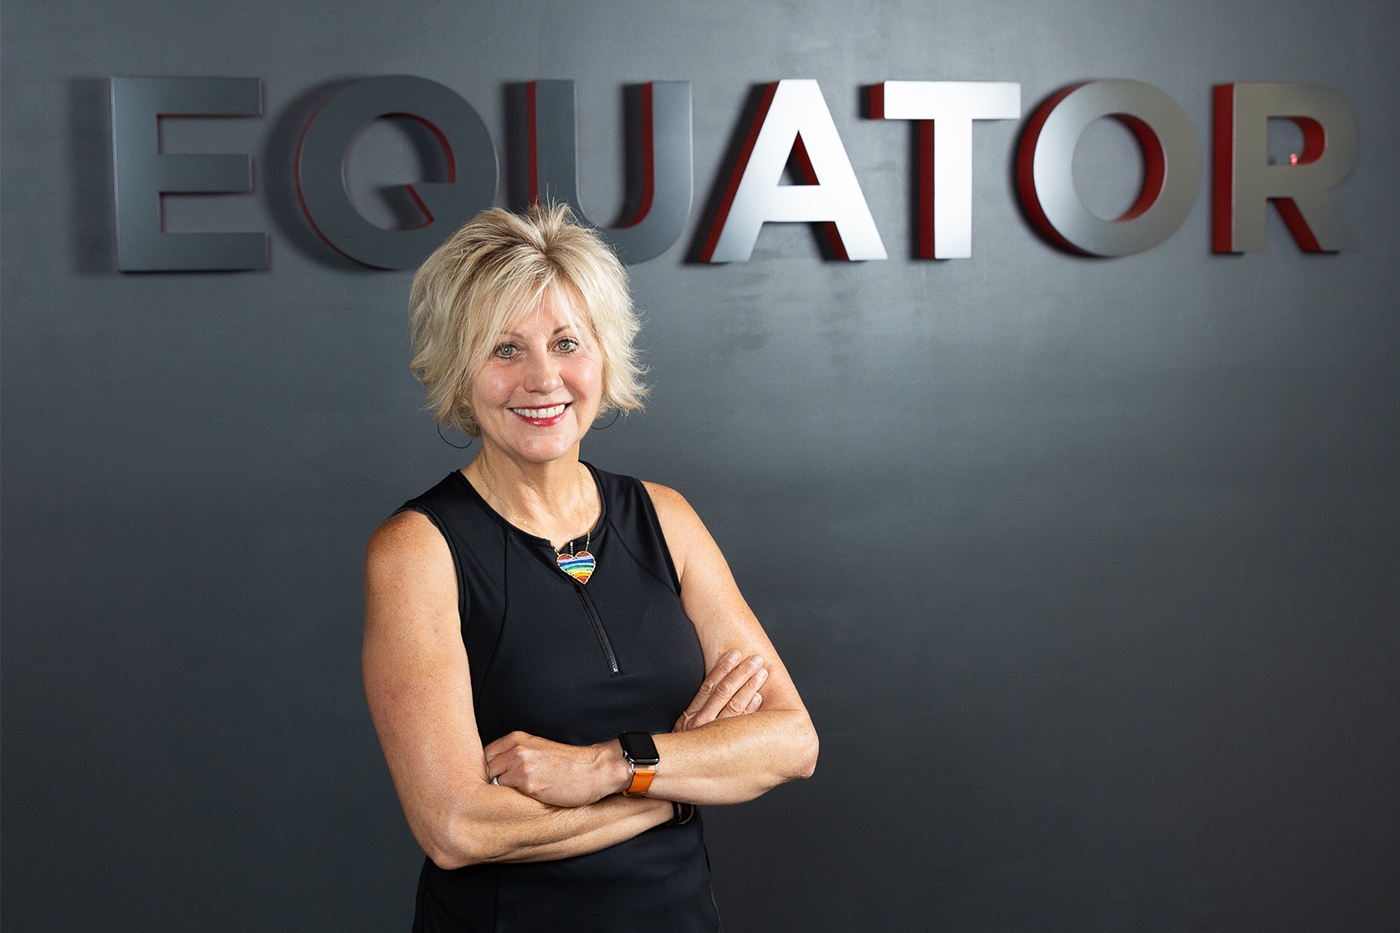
[1086,569]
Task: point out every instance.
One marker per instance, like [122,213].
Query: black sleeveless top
[577,664]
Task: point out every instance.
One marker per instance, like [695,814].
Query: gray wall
[1086,569]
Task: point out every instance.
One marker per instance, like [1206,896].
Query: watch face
[639,748]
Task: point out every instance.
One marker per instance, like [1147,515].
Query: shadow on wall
[91,232]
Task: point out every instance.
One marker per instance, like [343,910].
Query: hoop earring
[616,412]
[470,439]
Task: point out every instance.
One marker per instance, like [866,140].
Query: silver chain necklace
[578,565]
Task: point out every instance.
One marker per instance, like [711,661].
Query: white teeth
[549,412]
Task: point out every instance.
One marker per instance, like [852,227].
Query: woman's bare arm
[735,759]
[729,760]
[418,685]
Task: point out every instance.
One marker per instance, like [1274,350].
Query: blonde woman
[557,660]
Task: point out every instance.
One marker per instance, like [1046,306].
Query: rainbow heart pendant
[580,566]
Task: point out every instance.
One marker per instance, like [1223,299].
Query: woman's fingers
[730,689]
[717,673]
[498,757]
[505,743]
[737,687]
[738,704]
[551,772]
[497,768]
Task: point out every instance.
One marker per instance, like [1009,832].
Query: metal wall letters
[551,163]
[1169,149]
[141,173]
[792,127]
[1245,181]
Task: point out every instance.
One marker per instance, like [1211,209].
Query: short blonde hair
[491,273]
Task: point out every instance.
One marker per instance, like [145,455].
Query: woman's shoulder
[680,525]
[667,501]
[406,540]
[420,523]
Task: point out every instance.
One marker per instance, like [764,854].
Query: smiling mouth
[541,414]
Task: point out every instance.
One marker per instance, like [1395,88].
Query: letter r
[1245,182]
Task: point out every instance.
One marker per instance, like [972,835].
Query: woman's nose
[543,373]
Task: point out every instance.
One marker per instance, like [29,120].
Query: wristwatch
[640,752]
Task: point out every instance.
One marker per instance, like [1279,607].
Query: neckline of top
[595,532]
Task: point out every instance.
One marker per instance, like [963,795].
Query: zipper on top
[597,627]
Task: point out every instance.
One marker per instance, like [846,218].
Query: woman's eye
[506,350]
[567,345]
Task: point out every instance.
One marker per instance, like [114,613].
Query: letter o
[1045,167]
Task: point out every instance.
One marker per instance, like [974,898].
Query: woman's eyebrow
[511,333]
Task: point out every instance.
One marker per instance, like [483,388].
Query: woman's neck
[554,500]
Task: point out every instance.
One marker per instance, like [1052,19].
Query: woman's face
[539,390]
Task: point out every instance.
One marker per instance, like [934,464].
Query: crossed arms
[746,731]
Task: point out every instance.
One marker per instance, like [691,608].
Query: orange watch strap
[641,780]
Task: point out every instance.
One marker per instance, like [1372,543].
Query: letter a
[793,121]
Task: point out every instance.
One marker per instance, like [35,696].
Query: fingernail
[731,657]
[756,660]
[762,675]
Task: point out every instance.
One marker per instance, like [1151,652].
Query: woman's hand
[554,773]
[730,689]
[575,775]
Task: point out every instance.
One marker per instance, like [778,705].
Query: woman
[538,632]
